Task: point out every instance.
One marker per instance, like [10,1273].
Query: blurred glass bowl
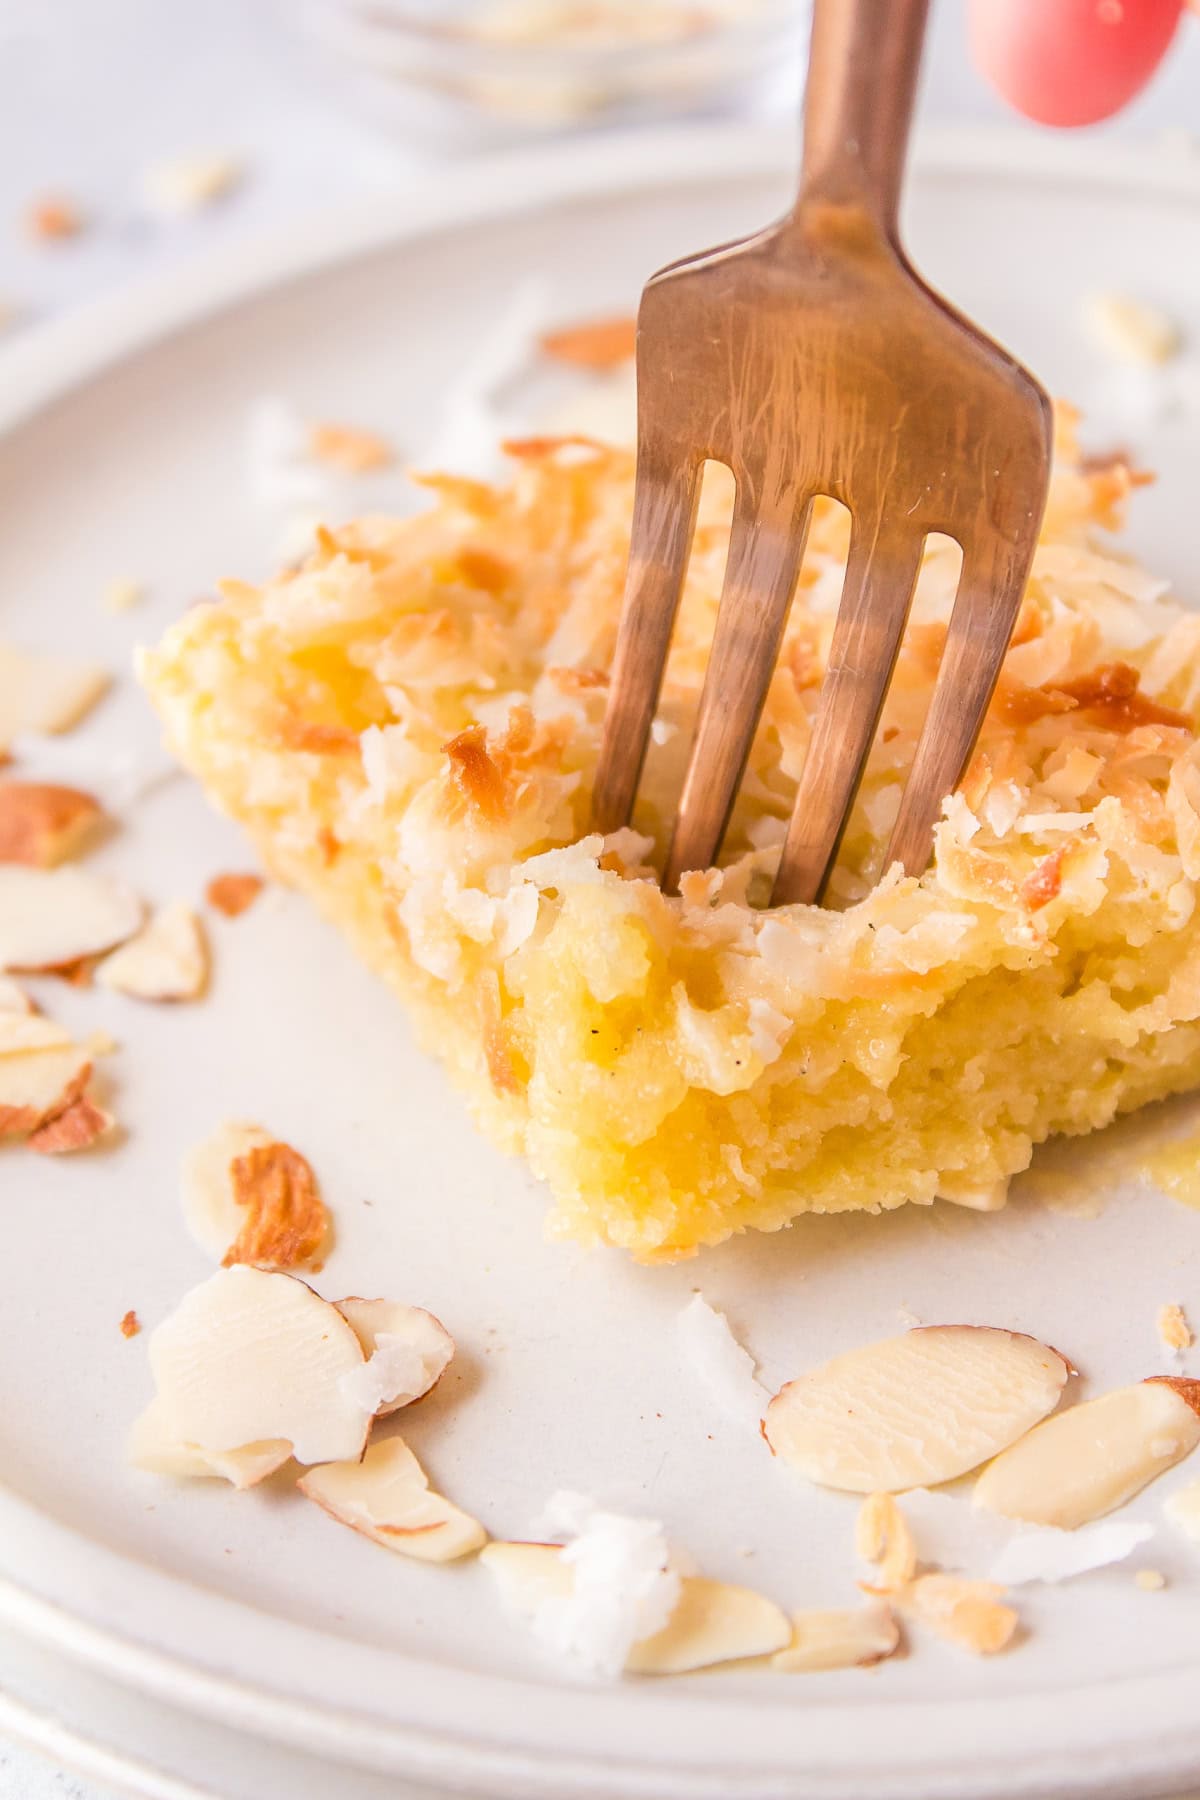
[471,72]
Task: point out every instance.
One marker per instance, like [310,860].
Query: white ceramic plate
[121,454]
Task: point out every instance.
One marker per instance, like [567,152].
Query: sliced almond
[42,824]
[915,1410]
[1183,1510]
[713,1622]
[153,1446]
[232,895]
[210,1208]
[967,1613]
[594,344]
[388,1498]
[1094,1457]
[842,1639]
[284,1223]
[45,693]
[13,998]
[250,1355]
[75,1126]
[50,918]
[882,1537]
[166,960]
[37,1087]
[407,1351]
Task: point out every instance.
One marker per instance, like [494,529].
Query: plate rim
[1144,1723]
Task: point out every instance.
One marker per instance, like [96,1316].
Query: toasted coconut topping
[130,1324]
[233,895]
[350,448]
[594,344]
[966,1613]
[41,825]
[285,1224]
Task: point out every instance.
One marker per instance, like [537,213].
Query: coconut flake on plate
[166,960]
[724,1367]
[1175,1334]
[951,1534]
[407,1349]
[251,1355]
[387,1497]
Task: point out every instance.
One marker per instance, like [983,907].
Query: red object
[1070,62]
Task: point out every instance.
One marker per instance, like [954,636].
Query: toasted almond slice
[1183,1510]
[74,1126]
[387,1497]
[713,1622]
[42,824]
[210,1208]
[882,1536]
[166,960]
[44,693]
[284,1223]
[52,917]
[250,1355]
[914,1410]
[966,1613]
[13,998]
[594,344]
[26,1031]
[185,184]
[407,1349]
[232,895]
[1094,1457]
[152,1446]
[38,1087]
[840,1639]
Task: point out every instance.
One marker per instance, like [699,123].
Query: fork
[812,359]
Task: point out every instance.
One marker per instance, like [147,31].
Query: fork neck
[862,81]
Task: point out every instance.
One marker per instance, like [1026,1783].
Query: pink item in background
[1070,62]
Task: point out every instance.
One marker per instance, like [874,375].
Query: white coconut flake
[624,1586]
[725,1367]
[396,1370]
[950,1534]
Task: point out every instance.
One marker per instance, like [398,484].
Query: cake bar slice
[407,727]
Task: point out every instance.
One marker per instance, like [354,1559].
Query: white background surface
[97,90]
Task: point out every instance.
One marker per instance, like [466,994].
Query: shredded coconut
[398,1370]
[624,1587]
[725,1367]
[951,1534]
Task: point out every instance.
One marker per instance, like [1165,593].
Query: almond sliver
[153,1447]
[848,1638]
[166,960]
[53,917]
[42,824]
[915,1410]
[210,1208]
[387,1497]
[713,1622]
[44,693]
[1092,1458]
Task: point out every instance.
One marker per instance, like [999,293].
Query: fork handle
[862,81]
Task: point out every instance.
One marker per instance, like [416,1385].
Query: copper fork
[812,359]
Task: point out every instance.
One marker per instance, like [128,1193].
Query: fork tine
[666,493]
[881,573]
[985,610]
[765,550]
